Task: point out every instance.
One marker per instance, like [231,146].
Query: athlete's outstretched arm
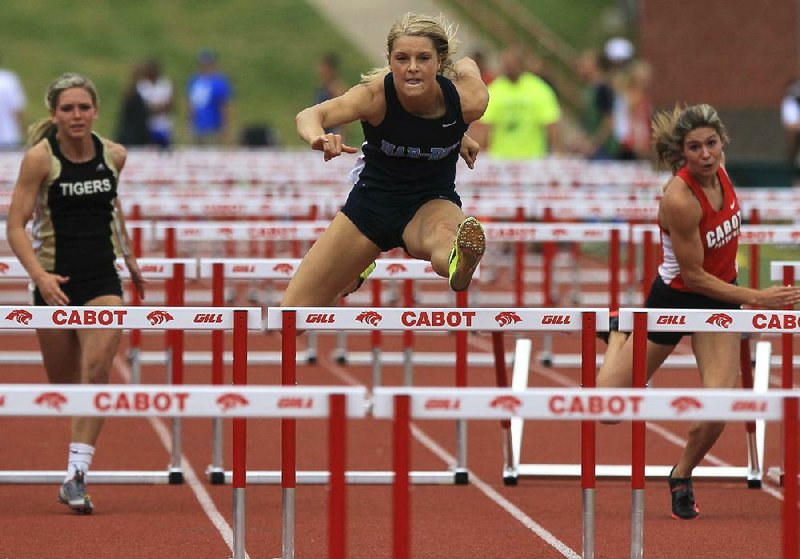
[355,104]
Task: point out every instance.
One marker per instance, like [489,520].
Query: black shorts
[662,296]
[82,289]
[382,216]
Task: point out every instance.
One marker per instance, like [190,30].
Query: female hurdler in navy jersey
[68,184]
[414,114]
[699,218]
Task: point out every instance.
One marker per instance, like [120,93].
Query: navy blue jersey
[73,230]
[410,152]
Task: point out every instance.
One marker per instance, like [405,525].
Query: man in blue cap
[210,94]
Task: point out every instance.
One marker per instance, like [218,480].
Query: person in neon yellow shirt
[523,113]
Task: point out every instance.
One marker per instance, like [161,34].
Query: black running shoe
[613,326]
[683,505]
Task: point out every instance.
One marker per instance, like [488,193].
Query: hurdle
[236,403]
[130,317]
[588,406]
[684,320]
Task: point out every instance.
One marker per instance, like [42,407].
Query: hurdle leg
[638,438]
[176,375]
[498,348]
[288,434]
[239,440]
[462,474]
[337,508]
[408,336]
[401,495]
[588,434]
[790,435]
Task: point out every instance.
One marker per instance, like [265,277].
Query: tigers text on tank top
[719,232]
[73,230]
[410,152]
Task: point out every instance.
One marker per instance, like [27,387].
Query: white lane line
[200,493]
[481,485]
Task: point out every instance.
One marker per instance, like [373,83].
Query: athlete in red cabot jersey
[699,218]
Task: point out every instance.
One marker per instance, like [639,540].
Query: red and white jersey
[719,231]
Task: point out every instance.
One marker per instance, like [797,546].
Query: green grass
[581,23]
[269,48]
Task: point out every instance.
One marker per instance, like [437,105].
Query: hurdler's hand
[50,288]
[136,275]
[469,151]
[777,297]
[331,145]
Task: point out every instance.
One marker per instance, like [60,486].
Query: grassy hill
[269,48]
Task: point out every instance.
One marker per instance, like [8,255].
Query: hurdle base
[510,480]
[775,475]
[216,476]
[98,477]
[273,477]
[175,476]
[611,471]
[462,477]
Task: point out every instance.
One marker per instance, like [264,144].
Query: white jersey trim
[668,270]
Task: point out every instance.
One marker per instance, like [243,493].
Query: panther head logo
[720,319]
[283,268]
[507,317]
[231,400]
[396,268]
[684,404]
[369,317]
[19,315]
[506,403]
[52,400]
[159,317]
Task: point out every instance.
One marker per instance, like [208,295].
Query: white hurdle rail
[139,318]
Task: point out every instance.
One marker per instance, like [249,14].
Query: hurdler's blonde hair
[671,127]
[39,130]
[438,30]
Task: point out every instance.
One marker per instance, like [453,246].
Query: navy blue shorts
[382,216]
[662,296]
[81,290]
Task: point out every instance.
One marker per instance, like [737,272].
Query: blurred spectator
[633,111]
[330,84]
[619,51]
[521,121]
[598,111]
[133,115]
[210,94]
[156,90]
[790,118]
[12,107]
[486,73]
